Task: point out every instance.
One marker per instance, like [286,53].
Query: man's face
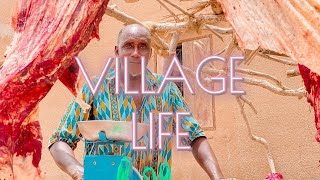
[134,43]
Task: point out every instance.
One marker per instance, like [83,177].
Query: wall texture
[285,122]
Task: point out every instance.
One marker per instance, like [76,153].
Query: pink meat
[284,26]
[48,34]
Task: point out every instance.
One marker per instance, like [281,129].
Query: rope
[124,169]
[168,171]
[145,177]
[163,167]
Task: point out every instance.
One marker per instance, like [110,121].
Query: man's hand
[204,155]
[64,157]
[77,173]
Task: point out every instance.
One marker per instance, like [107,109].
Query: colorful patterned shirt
[106,105]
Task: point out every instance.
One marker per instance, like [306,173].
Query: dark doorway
[179,56]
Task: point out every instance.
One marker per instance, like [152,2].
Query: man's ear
[116,50]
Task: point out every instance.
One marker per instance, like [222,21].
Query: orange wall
[285,122]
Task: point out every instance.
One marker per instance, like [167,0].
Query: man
[134,42]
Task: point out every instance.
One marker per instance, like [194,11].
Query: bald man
[134,42]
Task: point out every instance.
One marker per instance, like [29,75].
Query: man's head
[134,42]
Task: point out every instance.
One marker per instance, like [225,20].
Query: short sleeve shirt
[106,105]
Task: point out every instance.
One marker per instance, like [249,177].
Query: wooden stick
[169,10]
[220,29]
[114,12]
[270,52]
[157,38]
[213,31]
[257,138]
[167,26]
[267,85]
[179,8]
[199,7]
[251,56]
[210,19]
[182,26]
[231,46]
[245,100]
[282,90]
[193,75]
[279,60]
[221,51]
[260,74]
[293,73]
[174,42]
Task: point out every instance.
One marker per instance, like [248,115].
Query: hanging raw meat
[283,26]
[48,34]
[312,84]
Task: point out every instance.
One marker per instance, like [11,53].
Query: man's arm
[64,157]
[64,139]
[204,155]
[196,139]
